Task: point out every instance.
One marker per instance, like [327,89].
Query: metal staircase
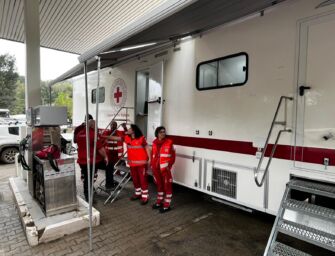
[304,220]
[122,176]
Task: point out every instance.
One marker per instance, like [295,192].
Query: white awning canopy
[73,26]
[163,26]
[121,29]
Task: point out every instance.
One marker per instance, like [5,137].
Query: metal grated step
[122,168]
[280,249]
[307,234]
[310,209]
[313,188]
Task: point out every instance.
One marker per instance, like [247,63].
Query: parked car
[9,143]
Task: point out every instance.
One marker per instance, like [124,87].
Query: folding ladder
[304,220]
[121,175]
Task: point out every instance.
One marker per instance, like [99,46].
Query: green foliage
[19,106]
[8,81]
[64,97]
[61,95]
[12,90]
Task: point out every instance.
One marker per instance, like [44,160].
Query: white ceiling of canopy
[73,25]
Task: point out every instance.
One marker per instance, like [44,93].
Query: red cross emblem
[117,94]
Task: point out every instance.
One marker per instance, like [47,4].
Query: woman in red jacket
[138,158]
[163,157]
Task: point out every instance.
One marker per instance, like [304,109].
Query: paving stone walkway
[195,226]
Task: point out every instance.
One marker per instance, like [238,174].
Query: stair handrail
[115,115]
[257,169]
[120,159]
[116,190]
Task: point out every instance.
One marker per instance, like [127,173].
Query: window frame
[217,78]
[95,89]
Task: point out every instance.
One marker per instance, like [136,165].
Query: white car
[9,143]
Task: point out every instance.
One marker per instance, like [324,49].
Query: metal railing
[114,118]
[124,180]
[274,122]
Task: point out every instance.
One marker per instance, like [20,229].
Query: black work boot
[164,210]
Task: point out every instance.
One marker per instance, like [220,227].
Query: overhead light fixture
[136,46]
[185,38]
[128,48]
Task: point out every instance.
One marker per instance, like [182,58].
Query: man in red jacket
[80,127]
[101,156]
[114,150]
[163,157]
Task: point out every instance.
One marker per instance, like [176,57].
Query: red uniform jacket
[163,154]
[81,141]
[114,149]
[137,155]
[77,130]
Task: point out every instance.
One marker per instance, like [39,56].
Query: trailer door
[315,127]
[155,100]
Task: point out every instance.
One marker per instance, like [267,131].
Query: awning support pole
[88,160]
[97,101]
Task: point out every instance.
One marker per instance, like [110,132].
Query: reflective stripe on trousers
[138,191]
[164,165]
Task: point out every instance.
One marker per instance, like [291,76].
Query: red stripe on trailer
[302,154]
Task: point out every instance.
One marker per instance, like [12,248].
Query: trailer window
[101,95]
[227,71]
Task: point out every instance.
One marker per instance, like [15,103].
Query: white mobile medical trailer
[217,93]
[220,91]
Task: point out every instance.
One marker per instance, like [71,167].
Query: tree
[64,99]
[8,81]
[61,95]
[19,106]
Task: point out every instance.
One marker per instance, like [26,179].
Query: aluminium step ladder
[304,220]
[121,176]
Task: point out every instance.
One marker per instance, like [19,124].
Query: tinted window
[101,95]
[227,71]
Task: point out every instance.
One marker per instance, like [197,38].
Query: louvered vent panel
[224,182]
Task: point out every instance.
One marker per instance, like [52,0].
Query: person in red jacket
[101,156]
[163,157]
[138,158]
[114,150]
[80,127]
